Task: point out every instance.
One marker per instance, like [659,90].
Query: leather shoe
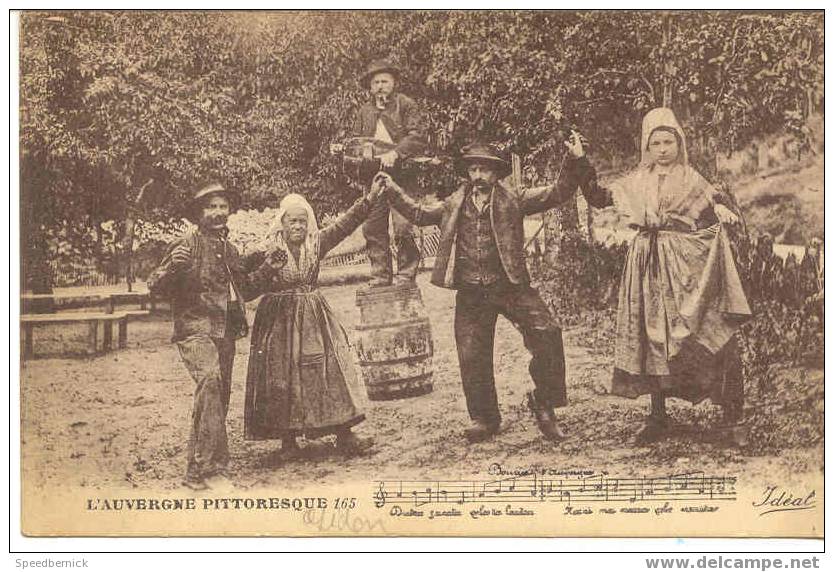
[545,419]
[481,431]
[377,282]
[195,483]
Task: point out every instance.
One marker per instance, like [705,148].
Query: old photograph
[421,273]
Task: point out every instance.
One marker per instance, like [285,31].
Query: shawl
[652,197]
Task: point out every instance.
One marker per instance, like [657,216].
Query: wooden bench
[123,325]
[144,299]
[107,302]
[29,321]
[63,300]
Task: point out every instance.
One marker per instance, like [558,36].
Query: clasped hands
[276,259]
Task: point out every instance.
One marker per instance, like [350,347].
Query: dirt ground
[122,419]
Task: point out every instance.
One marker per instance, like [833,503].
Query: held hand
[377,187]
[388,159]
[576,144]
[725,215]
[277,259]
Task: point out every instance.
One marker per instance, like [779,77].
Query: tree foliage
[110,100]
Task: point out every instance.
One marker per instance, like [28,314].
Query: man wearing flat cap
[203,276]
[392,118]
[481,255]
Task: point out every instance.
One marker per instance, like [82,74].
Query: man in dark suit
[395,119]
[481,255]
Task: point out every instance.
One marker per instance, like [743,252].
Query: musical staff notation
[695,486]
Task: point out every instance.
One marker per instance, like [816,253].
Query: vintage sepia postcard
[421,273]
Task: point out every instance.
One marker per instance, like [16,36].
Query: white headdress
[293,200]
[275,235]
[661,117]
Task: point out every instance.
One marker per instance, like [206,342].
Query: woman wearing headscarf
[301,378]
[681,300]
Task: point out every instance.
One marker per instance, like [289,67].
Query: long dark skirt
[301,377]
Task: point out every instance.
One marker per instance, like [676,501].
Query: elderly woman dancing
[301,378]
[681,299]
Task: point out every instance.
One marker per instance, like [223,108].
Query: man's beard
[215,221]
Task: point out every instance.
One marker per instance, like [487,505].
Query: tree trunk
[127,242]
[127,247]
[667,80]
[35,271]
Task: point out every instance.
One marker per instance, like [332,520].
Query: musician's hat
[379,66]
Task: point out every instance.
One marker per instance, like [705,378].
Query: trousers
[209,361]
[375,230]
[476,312]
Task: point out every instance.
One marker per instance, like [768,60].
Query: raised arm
[346,223]
[538,199]
[596,195]
[577,172]
[416,212]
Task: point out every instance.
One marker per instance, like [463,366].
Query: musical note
[691,486]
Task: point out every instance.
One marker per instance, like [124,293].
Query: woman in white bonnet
[681,299]
[301,378]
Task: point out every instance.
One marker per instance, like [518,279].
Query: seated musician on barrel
[481,255]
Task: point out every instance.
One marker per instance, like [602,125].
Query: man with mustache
[481,255]
[393,118]
[207,284]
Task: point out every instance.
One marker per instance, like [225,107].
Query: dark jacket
[199,290]
[402,118]
[508,210]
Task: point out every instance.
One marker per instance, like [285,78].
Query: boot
[545,419]
[481,431]
[195,483]
[408,260]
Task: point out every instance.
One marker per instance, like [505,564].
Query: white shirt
[382,133]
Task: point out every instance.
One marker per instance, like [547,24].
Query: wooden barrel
[394,342]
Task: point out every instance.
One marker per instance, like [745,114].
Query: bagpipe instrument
[360,159]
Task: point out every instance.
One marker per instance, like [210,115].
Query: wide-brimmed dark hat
[193,206]
[379,66]
[486,153]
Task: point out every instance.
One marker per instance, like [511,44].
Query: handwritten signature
[779,499]
[341,520]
